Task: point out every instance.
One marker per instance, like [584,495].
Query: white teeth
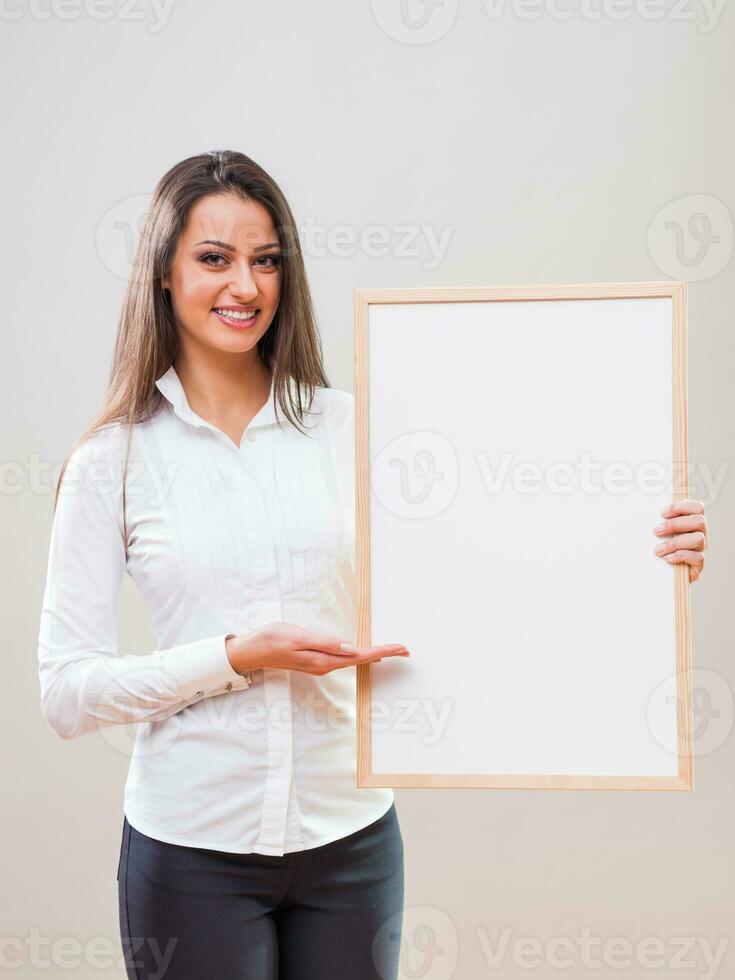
[236,314]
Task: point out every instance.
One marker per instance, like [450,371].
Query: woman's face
[228,260]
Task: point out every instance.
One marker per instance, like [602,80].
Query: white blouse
[221,539]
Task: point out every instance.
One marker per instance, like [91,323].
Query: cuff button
[228,686]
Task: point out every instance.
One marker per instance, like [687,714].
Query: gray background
[545,149]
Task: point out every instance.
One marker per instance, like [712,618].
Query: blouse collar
[169,384]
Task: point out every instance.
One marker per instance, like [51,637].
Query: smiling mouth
[236,316]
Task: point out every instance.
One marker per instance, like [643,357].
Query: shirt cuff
[202,668]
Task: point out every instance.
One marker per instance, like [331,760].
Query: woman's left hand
[687,524]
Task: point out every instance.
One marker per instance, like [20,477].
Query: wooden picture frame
[558,639]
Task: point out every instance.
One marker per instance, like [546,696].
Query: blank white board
[514,449]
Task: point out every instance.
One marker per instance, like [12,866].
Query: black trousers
[332,912]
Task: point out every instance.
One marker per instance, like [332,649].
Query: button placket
[272,830]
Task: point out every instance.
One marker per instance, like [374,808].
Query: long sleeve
[85,684]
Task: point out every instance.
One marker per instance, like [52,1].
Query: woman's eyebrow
[231,248]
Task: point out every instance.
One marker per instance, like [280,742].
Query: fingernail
[347,647]
[659,527]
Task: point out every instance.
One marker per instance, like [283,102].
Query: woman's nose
[242,284]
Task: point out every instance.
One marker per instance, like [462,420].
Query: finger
[694,541]
[373,655]
[695,560]
[385,649]
[689,522]
[328,643]
[683,507]
[365,655]
[378,653]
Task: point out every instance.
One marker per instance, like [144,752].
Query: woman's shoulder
[336,401]
[336,408]
[106,444]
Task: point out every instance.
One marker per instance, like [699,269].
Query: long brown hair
[147,337]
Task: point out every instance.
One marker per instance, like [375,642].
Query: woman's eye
[212,259]
[212,255]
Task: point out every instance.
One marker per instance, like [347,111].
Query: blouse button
[250,437]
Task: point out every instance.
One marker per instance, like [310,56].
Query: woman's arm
[85,684]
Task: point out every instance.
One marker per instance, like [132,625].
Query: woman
[247,850]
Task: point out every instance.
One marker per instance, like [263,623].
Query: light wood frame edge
[362,299]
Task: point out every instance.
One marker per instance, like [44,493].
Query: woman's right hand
[290,647]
